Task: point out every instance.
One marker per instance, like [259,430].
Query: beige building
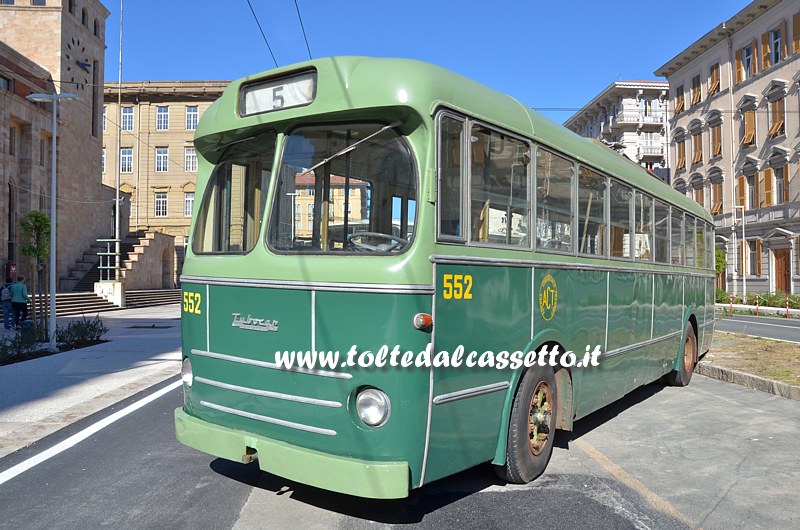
[735,138]
[631,117]
[156,122]
[53,46]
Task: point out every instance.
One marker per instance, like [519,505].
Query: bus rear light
[423,321]
[373,407]
[186,373]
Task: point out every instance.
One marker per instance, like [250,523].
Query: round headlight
[186,372]
[373,407]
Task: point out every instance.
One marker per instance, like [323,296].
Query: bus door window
[661,233]
[591,212]
[500,203]
[620,213]
[450,196]
[688,238]
[643,245]
[677,236]
[554,212]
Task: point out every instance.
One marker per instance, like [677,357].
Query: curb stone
[748,380]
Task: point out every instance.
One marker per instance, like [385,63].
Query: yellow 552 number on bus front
[192,302]
[457,286]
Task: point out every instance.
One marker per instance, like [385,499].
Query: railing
[636,117]
[651,150]
[108,260]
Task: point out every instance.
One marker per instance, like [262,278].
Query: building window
[6,84]
[162,118]
[105,117]
[188,203]
[189,159]
[754,248]
[776,44]
[192,117]
[38,3]
[681,155]
[127,118]
[713,80]
[716,140]
[696,92]
[697,148]
[752,192]
[42,151]
[777,117]
[161,204]
[85,17]
[716,198]
[104,160]
[96,28]
[749,128]
[12,141]
[745,63]
[126,160]
[162,159]
[7,2]
[679,103]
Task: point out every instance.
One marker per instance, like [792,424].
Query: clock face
[79,65]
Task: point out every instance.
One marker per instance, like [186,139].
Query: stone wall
[151,265]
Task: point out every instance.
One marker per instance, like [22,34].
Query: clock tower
[67,39]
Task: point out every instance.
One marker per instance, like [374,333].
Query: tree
[35,227]
[722,261]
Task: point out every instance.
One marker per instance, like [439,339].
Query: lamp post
[54,98]
[744,242]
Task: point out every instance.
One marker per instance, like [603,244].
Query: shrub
[79,331]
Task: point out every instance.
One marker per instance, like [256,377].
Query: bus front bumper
[363,478]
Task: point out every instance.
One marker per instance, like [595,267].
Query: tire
[688,359]
[533,414]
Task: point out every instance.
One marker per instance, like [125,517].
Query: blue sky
[546,54]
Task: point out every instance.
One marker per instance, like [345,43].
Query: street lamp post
[743,243]
[54,98]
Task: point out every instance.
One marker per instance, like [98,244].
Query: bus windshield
[333,199]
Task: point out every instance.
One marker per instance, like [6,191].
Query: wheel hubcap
[539,417]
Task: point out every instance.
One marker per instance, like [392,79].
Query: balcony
[635,118]
[651,150]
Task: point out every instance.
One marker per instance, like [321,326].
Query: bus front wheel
[532,427]
[683,374]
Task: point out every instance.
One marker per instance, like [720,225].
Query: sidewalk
[41,396]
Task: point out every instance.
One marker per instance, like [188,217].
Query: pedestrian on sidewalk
[5,298]
[19,301]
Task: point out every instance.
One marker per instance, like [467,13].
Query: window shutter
[739,66]
[765,51]
[758,257]
[784,41]
[796,33]
[741,191]
[768,176]
[757,181]
[755,56]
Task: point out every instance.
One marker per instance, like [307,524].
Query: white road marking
[758,323]
[22,467]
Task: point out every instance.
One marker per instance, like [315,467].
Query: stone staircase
[85,272]
[90,304]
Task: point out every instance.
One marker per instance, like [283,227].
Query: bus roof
[347,85]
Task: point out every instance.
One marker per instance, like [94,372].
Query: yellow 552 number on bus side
[457,286]
[192,302]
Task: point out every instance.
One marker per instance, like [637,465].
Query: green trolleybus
[359,206]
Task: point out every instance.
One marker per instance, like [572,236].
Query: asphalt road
[767,327]
[713,455]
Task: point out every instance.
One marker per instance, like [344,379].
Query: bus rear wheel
[683,374]
[532,427]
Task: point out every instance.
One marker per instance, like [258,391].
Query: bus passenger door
[482,309]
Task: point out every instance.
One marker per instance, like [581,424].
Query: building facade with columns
[631,117]
[53,46]
[735,138]
[155,124]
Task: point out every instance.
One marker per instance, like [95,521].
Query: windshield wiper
[349,148]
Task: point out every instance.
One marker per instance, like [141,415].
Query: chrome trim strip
[273,366]
[470,392]
[269,394]
[477,260]
[268,419]
[310,286]
[711,323]
[643,344]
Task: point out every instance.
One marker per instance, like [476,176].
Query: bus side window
[591,212]
[677,236]
[689,241]
[620,206]
[643,245]
[449,199]
[661,232]
[554,211]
